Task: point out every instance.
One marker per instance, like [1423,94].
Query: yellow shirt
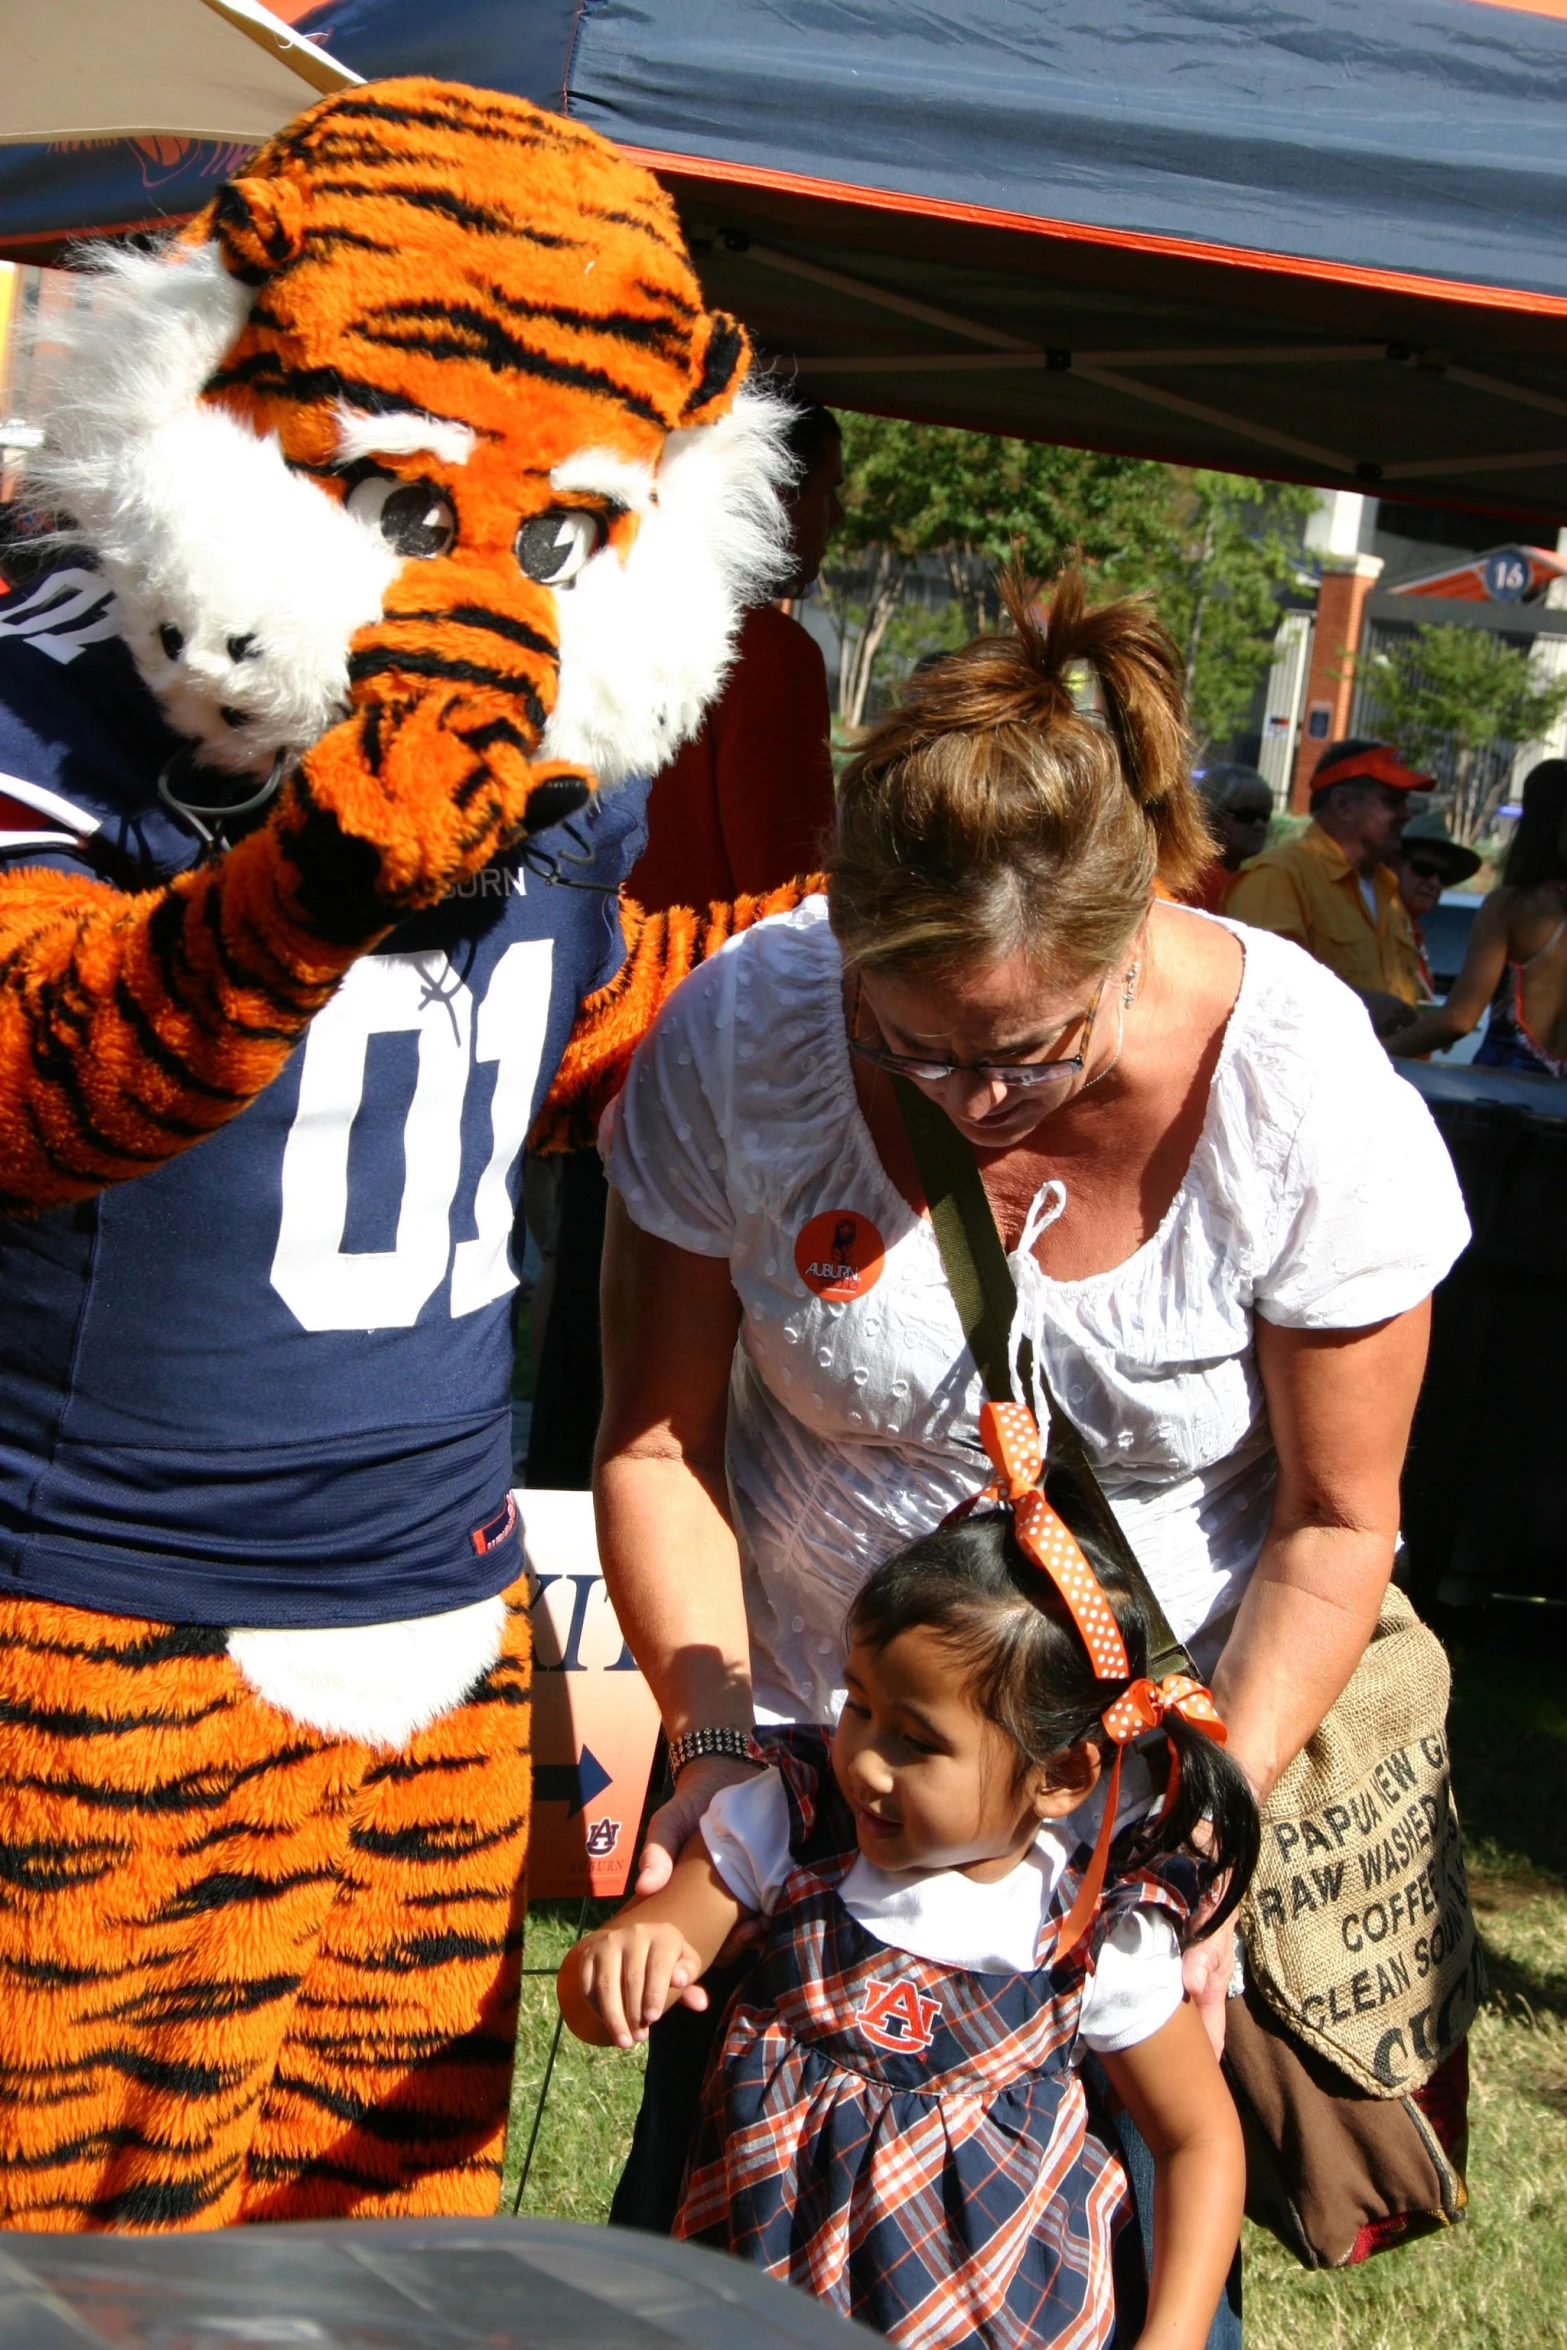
[1307,890]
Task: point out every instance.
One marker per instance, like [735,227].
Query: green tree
[1462,700]
[931,515]
[1214,553]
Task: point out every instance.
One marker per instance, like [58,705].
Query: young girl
[894,2118]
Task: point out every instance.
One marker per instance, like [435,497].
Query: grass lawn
[1497,2283]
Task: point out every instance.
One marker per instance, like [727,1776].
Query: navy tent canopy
[1321,240]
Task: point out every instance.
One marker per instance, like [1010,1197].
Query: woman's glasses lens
[1029,1074]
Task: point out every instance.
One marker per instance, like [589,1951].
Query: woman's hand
[630,1974]
[1206,1970]
[674,1824]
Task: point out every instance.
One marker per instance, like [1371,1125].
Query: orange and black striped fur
[248,1972]
[412,259]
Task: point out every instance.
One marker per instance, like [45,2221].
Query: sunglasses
[1018,1076]
[1424,869]
[1249,815]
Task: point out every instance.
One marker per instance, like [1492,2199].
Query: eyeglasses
[1249,815]
[1014,1075]
[1424,870]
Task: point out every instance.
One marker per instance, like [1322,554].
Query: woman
[1225,1215]
[1239,806]
[1517,957]
[1430,861]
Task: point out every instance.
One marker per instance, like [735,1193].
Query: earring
[1130,988]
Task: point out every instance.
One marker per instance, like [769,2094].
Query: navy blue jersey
[269,1383]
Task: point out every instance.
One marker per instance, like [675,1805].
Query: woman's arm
[615,1984]
[1173,2089]
[1340,1403]
[1472,990]
[670,1560]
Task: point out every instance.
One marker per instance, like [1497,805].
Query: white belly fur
[378,1683]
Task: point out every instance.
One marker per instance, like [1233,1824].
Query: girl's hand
[630,1973]
[674,1824]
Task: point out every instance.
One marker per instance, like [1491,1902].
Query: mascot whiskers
[408,503]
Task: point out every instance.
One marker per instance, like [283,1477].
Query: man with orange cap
[1334,890]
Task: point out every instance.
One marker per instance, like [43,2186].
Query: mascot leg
[393,2083]
[248,1971]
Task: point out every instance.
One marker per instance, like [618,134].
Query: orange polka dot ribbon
[1146,1705]
[1010,1435]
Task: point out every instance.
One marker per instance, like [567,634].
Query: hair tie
[1146,1705]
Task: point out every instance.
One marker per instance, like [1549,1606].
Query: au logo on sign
[594,1720]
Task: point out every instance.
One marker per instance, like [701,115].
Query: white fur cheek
[206,537]
[378,1683]
[644,644]
[214,538]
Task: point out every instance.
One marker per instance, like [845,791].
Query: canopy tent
[117,113]
[1318,240]
[202,69]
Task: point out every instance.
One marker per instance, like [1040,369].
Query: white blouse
[1319,1193]
[949,1918]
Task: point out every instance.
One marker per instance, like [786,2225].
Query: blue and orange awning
[1322,240]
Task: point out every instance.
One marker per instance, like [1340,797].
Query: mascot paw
[425,791]
[558,792]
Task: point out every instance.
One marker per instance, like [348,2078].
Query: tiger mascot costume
[411,495]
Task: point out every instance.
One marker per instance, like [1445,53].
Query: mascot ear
[724,359]
[260,224]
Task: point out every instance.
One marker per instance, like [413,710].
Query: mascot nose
[472,623]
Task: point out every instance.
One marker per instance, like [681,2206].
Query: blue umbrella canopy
[1318,240]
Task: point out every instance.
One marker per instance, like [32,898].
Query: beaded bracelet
[692,1745]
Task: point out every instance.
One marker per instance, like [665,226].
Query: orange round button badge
[839,1255]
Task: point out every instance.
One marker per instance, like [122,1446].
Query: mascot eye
[553,547]
[414,517]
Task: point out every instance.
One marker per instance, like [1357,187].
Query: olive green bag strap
[985,1295]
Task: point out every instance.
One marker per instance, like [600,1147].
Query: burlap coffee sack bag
[1357,1928]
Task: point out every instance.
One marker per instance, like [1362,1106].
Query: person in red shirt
[747,803]
[1239,804]
[745,806]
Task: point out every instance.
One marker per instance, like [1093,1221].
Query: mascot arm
[660,950]
[131,1026]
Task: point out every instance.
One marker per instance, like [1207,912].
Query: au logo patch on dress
[896,2016]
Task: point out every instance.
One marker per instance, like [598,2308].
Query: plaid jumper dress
[907,2141]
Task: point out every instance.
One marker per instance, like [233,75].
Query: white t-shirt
[954,1921]
[1319,1193]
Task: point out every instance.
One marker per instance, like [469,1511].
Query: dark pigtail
[1212,1787]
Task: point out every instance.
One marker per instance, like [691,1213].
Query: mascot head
[429,393]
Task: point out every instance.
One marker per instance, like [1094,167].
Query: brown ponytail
[990,814]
